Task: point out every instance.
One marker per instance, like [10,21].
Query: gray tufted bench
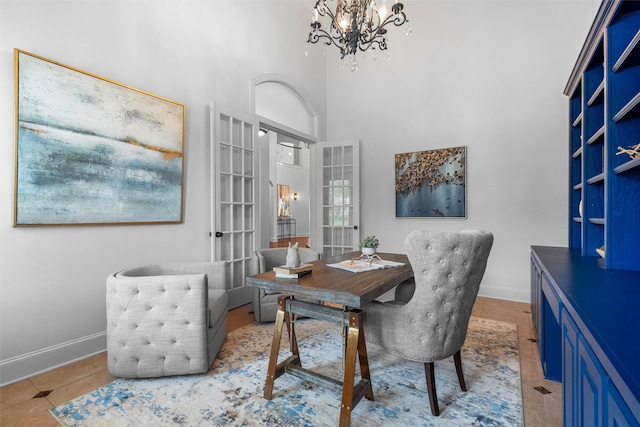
[166,319]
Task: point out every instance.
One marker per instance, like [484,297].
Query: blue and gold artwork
[431,183]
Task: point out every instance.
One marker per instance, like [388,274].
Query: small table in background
[286,228]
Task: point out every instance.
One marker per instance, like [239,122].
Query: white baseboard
[39,361]
[509,294]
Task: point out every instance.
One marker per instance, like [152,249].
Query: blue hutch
[586,298]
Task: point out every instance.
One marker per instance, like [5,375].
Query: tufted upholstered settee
[166,319]
[265,303]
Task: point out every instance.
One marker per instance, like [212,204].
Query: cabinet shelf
[631,55]
[597,221]
[597,137]
[577,153]
[595,179]
[577,219]
[598,95]
[631,164]
[631,109]
[578,186]
[577,121]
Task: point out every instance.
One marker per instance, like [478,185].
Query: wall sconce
[295,195]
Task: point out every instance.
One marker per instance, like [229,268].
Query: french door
[234,209]
[337,196]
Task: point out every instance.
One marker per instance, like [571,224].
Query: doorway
[288,129]
[289,200]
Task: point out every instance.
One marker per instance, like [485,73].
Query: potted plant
[369,244]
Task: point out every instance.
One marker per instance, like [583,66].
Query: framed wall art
[93,151]
[284,209]
[431,183]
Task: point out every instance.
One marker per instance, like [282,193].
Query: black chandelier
[356,25]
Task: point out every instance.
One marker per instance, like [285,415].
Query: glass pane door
[340,197]
[234,208]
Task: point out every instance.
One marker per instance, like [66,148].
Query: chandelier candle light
[355,25]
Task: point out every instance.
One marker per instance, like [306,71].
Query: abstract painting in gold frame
[93,151]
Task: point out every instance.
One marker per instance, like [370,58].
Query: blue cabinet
[604,131]
[590,397]
[597,279]
[591,314]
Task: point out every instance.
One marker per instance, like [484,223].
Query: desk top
[338,286]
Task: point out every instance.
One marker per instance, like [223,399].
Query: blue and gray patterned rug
[231,392]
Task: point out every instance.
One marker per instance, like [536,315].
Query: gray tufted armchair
[265,304]
[429,317]
[166,319]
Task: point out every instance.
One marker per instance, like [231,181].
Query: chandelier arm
[318,35]
[398,19]
[335,35]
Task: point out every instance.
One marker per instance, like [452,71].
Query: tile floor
[21,406]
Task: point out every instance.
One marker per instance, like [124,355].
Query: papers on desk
[357,265]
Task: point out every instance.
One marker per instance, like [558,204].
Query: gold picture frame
[91,151]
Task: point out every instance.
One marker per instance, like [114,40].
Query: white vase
[368,251]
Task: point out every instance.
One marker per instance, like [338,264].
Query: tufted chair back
[429,318]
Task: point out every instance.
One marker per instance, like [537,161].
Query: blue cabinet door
[590,386]
[569,372]
[618,413]
[583,378]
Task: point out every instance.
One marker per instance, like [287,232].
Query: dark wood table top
[338,286]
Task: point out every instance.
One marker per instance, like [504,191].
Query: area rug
[230,394]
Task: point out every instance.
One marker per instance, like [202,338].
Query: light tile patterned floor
[19,407]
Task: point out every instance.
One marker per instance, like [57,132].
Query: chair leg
[458,362]
[431,388]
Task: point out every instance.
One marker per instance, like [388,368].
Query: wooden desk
[352,291]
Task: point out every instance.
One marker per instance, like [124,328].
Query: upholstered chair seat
[429,317]
[265,303]
[166,319]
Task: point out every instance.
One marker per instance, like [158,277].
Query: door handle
[219,234]
[355,227]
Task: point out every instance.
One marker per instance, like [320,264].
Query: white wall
[488,75]
[52,279]
[485,74]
